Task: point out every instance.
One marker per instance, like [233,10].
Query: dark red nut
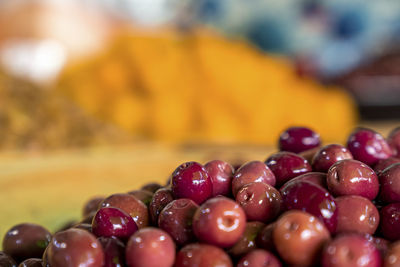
[221,174]
[260,201]
[247,242]
[351,250]
[253,171]
[352,177]
[25,241]
[75,247]
[390,184]
[191,180]
[287,165]
[202,255]
[368,146]
[356,214]
[309,197]
[160,199]
[150,247]
[298,139]
[390,221]
[299,237]
[177,218]
[129,204]
[328,155]
[220,222]
[259,258]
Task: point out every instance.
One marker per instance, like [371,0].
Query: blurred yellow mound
[33,117]
[198,86]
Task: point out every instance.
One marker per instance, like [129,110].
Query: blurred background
[99,96]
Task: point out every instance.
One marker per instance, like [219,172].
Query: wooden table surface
[50,188]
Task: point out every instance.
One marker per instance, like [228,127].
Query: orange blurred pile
[197,86]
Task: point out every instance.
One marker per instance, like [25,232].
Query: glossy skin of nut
[112,221]
[221,174]
[191,180]
[92,205]
[368,146]
[202,255]
[299,237]
[390,184]
[160,199]
[394,141]
[129,204]
[114,251]
[6,261]
[318,178]
[384,163]
[150,247]
[390,221]
[260,201]
[75,247]
[247,242]
[287,165]
[313,199]
[328,155]
[298,139]
[30,263]
[220,222]
[352,177]
[176,219]
[350,250]
[142,195]
[259,258]
[253,171]
[356,214]
[265,239]
[392,257]
[25,241]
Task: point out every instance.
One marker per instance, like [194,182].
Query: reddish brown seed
[247,242]
[92,205]
[202,255]
[253,171]
[176,219]
[287,165]
[75,247]
[131,205]
[219,221]
[328,155]
[31,263]
[350,250]
[6,261]
[150,247]
[265,239]
[25,241]
[352,177]
[318,178]
[259,258]
[356,214]
[260,201]
[160,199]
[221,174]
[299,237]
[384,163]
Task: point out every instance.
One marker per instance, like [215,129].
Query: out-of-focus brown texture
[33,117]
